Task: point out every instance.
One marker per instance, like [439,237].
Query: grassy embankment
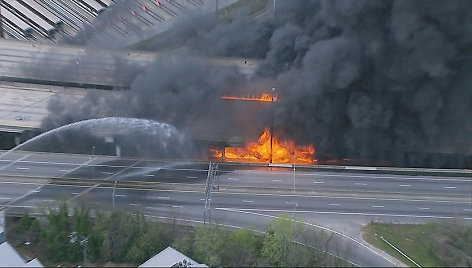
[430,245]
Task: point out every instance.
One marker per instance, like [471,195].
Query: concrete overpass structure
[83,67]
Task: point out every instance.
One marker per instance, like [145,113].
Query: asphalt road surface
[242,196]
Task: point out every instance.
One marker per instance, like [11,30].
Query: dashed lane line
[14,162]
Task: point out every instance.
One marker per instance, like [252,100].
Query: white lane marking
[367,176]
[333,204]
[76,168]
[192,177]
[107,173]
[35,190]
[247,210]
[276,180]
[449,187]
[467,209]
[404,185]
[423,208]
[136,205]
[233,179]
[64,170]
[48,200]
[12,163]
[163,197]
[75,193]
[149,175]
[318,182]
[120,195]
[149,207]
[22,168]
[202,199]
[377,206]
[248,201]
[363,184]
[5,198]
[177,206]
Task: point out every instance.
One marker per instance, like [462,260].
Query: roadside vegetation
[446,243]
[125,239]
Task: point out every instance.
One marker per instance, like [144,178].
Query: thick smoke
[367,79]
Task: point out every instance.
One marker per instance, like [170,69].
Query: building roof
[9,257]
[170,257]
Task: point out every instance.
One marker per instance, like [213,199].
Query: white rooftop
[9,257]
[170,257]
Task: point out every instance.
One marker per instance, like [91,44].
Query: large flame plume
[260,152]
[263,98]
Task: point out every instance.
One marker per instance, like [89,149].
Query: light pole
[74,237]
[113,194]
[293,203]
[93,158]
[294,172]
[271,121]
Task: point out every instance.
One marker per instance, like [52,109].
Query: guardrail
[329,168]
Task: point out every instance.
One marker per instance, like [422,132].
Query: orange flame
[264,98]
[259,152]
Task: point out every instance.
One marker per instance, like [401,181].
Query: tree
[209,242]
[117,236]
[55,236]
[96,236]
[241,249]
[28,228]
[281,234]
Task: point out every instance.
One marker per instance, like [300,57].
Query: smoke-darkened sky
[363,79]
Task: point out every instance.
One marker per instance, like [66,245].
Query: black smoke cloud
[384,80]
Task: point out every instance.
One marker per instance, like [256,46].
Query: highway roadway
[242,196]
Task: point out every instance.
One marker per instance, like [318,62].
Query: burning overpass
[268,148]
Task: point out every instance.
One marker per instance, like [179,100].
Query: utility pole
[76,237]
